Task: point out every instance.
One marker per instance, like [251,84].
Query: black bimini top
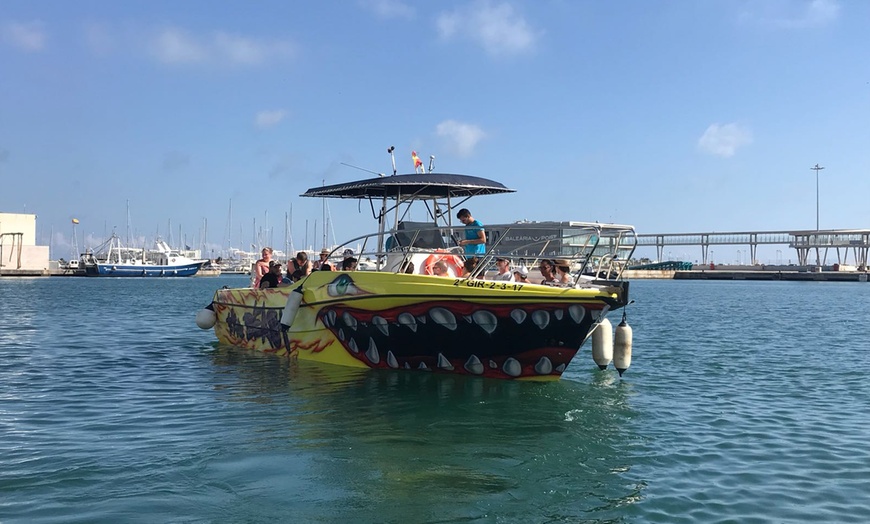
[418,186]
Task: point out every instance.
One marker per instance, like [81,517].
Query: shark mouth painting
[492,340]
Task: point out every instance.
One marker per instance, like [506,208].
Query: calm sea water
[746,402]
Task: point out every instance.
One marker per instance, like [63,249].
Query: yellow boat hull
[417,322]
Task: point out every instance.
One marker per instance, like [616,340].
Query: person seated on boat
[563,272]
[439,269]
[349,264]
[504,270]
[261,267]
[408,267]
[299,267]
[323,264]
[468,266]
[548,271]
[272,278]
[521,275]
[475,235]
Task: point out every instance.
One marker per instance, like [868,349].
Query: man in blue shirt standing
[475,236]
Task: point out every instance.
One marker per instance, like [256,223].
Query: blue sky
[673,116]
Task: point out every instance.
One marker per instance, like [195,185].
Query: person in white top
[504,270]
[563,272]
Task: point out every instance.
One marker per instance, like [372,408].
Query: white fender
[206,318]
[602,344]
[292,307]
[622,347]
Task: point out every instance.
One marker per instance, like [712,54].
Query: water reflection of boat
[112,259]
[400,316]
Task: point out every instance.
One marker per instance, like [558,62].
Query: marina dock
[785,273]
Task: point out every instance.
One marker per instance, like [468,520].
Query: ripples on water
[746,403]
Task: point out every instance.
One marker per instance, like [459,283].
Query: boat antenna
[431,162]
[361,169]
[392,158]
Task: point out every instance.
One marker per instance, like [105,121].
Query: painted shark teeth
[486,320]
[382,324]
[558,314]
[519,315]
[408,320]
[512,367]
[349,321]
[544,366]
[560,368]
[577,312]
[443,318]
[329,318]
[341,334]
[391,360]
[372,352]
[443,363]
[352,345]
[423,366]
[473,365]
[541,318]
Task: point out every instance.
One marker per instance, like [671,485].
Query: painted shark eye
[343,285]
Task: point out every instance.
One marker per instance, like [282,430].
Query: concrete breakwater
[792,273]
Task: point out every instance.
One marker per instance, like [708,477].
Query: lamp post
[817,168]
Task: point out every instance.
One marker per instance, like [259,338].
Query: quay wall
[750,274]
[33,260]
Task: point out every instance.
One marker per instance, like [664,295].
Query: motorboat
[113,259]
[399,315]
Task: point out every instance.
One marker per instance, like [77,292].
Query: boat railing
[594,251]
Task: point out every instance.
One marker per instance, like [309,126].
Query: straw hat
[324,251]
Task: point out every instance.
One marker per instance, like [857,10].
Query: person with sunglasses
[548,271]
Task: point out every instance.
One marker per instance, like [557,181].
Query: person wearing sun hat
[563,271]
[323,264]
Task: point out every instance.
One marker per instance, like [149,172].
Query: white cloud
[460,137]
[388,8]
[176,46]
[496,27]
[29,36]
[724,140]
[793,14]
[266,119]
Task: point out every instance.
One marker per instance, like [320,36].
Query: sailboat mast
[325,229]
[230,229]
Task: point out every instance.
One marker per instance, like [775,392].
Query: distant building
[19,254]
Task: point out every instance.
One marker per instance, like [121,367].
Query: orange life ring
[452,261]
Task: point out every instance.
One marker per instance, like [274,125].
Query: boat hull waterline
[142,270]
[394,321]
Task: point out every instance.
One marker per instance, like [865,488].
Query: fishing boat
[399,315]
[112,259]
